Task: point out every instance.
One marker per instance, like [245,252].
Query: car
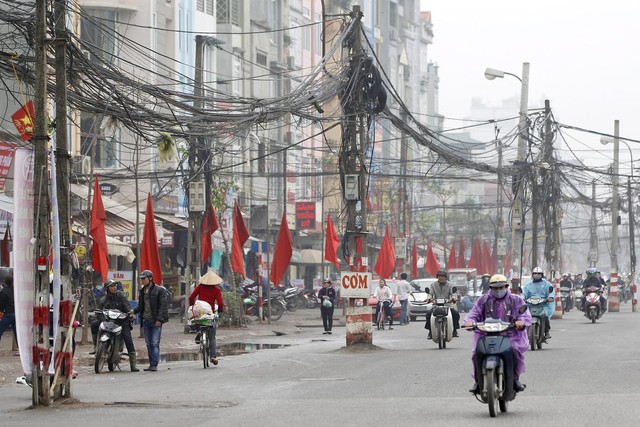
[418,305]
[396,309]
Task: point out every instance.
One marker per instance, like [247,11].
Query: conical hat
[210,278]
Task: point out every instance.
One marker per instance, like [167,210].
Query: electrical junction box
[352,187]
[196,196]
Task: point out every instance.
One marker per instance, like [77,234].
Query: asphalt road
[588,374]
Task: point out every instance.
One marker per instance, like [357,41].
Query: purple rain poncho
[505,309]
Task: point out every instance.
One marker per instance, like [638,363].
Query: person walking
[152,305]
[209,292]
[7,307]
[327,296]
[403,291]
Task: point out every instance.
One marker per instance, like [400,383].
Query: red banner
[23,120]
[305,215]
[6,157]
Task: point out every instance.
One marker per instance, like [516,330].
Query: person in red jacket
[209,291]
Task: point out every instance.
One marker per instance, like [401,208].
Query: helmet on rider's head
[591,271]
[487,275]
[110,282]
[537,270]
[566,275]
[442,273]
[497,281]
[146,273]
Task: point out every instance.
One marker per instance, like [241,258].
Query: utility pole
[402,201]
[63,387]
[41,324]
[632,238]
[517,229]
[614,302]
[500,243]
[593,247]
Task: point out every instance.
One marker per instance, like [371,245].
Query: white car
[418,305]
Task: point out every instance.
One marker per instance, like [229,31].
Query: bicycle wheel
[204,348]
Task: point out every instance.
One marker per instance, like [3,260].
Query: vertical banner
[6,157]
[55,249]
[24,283]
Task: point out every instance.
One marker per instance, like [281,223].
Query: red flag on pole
[386,263]
[284,250]
[462,262]
[5,247]
[507,263]
[431,265]
[209,226]
[451,263]
[240,236]
[150,256]
[475,261]
[331,244]
[414,260]
[100,256]
[486,259]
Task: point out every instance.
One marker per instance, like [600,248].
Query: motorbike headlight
[493,327]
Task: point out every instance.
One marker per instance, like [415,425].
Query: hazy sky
[583,55]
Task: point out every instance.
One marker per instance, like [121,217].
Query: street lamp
[516,221]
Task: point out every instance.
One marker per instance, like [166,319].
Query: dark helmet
[442,273]
[110,283]
[146,273]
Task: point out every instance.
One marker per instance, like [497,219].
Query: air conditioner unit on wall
[81,165]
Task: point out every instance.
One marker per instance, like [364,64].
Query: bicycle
[204,328]
[381,318]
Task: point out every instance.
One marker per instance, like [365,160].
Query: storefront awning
[114,246]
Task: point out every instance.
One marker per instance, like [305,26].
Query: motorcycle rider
[567,283]
[443,289]
[594,280]
[115,299]
[484,284]
[385,299]
[501,304]
[539,287]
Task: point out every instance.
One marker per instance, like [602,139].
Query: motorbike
[293,296]
[110,342]
[250,304]
[311,299]
[536,330]
[566,297]
[592,304]
[494,365]
[577,297]
[441,323]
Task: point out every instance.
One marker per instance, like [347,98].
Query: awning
[310,256]
[6,203]
[114,246]
[172,219]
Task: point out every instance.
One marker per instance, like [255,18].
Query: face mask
[499,293]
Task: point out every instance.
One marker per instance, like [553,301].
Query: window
[107,149]
[261,58]
[236,76]
[97,30]
[306,31]
[228,12]
[209,10]
[200,5]
[317,34]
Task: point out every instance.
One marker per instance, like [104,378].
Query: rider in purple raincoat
[501,304]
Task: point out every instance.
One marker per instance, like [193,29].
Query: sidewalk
[175,341]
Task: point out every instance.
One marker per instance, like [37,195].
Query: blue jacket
[540,289]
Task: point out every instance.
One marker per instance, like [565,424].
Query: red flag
[494,256]
[100,261]
[431,265]
[507,263]
[475,261]
[451,263]
[209,226]
[486,259]
[4,252]
[284,250]
[150,256]
[462,263]
[240,236]
[414,260]
[386,263]
[331,244]
[23,120]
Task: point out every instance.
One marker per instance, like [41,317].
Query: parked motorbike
[293,296]
[495,366]
[592,304]
[311,299]
[109,345]
[567,299]
[250,304]
[538,316]
[577,297]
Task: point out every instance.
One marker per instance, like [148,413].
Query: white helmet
[537,270]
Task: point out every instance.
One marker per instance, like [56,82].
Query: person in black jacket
[7,307]
[327,293]
[115,299]
[152,306]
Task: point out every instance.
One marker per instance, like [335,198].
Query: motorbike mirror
[426,290]
[522,309]
[454,289]
[550,289]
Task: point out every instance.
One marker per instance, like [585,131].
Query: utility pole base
[358,325]
[614,304]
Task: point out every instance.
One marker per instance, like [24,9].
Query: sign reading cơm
[355,284]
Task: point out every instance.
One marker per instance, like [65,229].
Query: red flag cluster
[386,263]
[150,256]
[331,244]
[431,264]
[284,250]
